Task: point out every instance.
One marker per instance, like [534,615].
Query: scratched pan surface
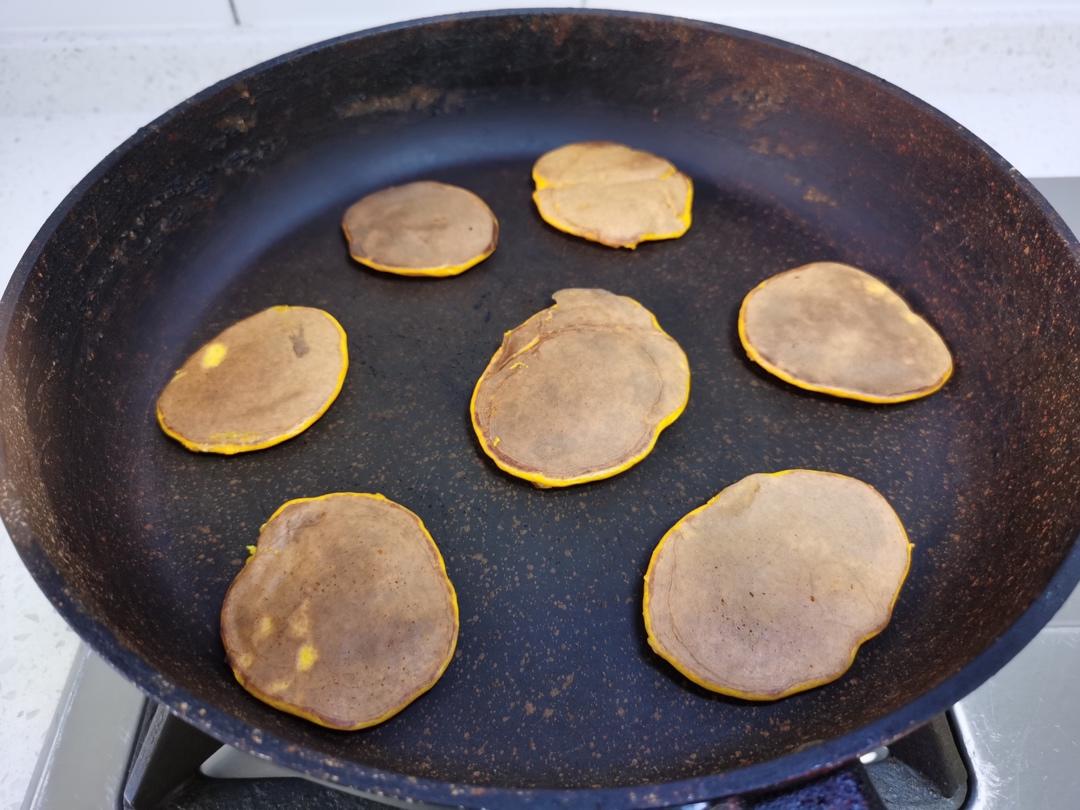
[231,203]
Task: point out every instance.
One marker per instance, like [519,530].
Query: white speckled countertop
[68,97]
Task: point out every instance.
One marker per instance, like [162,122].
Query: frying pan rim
[229,729]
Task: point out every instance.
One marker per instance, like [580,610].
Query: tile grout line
[233,11]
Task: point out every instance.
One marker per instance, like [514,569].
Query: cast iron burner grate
[171,761]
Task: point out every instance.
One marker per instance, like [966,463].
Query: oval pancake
[771,587]
[835,329]
[344,613]
[421,229]
[580,391]
[263,380]
[609,193]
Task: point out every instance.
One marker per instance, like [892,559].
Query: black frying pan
[231,202]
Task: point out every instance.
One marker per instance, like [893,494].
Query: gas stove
[1013,743]
[111,747]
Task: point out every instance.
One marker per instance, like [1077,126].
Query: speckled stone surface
[69,157]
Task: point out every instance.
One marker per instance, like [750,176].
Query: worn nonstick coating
[231,203]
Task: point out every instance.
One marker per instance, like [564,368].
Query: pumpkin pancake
[580,391]
[612,194]
[344,614]
[261,381]
[771,587]
[835,329]
[421,229]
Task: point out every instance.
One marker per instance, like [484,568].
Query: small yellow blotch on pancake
[300,621]
[421,229]
[836,329]
[772,586]
[875,287]
[306,657]
[264,628]
[609,193]
[213,355]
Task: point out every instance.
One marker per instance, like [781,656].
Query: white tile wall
[98,14]
[355,14]
[848,13]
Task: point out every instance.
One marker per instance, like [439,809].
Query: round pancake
[421,229]
[344,613]
[771,587]
[612,194]
[835,329]
[263,380]
[580,391]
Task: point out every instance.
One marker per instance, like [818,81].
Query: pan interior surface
[233,206]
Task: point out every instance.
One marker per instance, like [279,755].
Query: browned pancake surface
[580,391]
[612,194]
[770,588]
[261,381]
[421,229]
[833,328]
[344,615]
